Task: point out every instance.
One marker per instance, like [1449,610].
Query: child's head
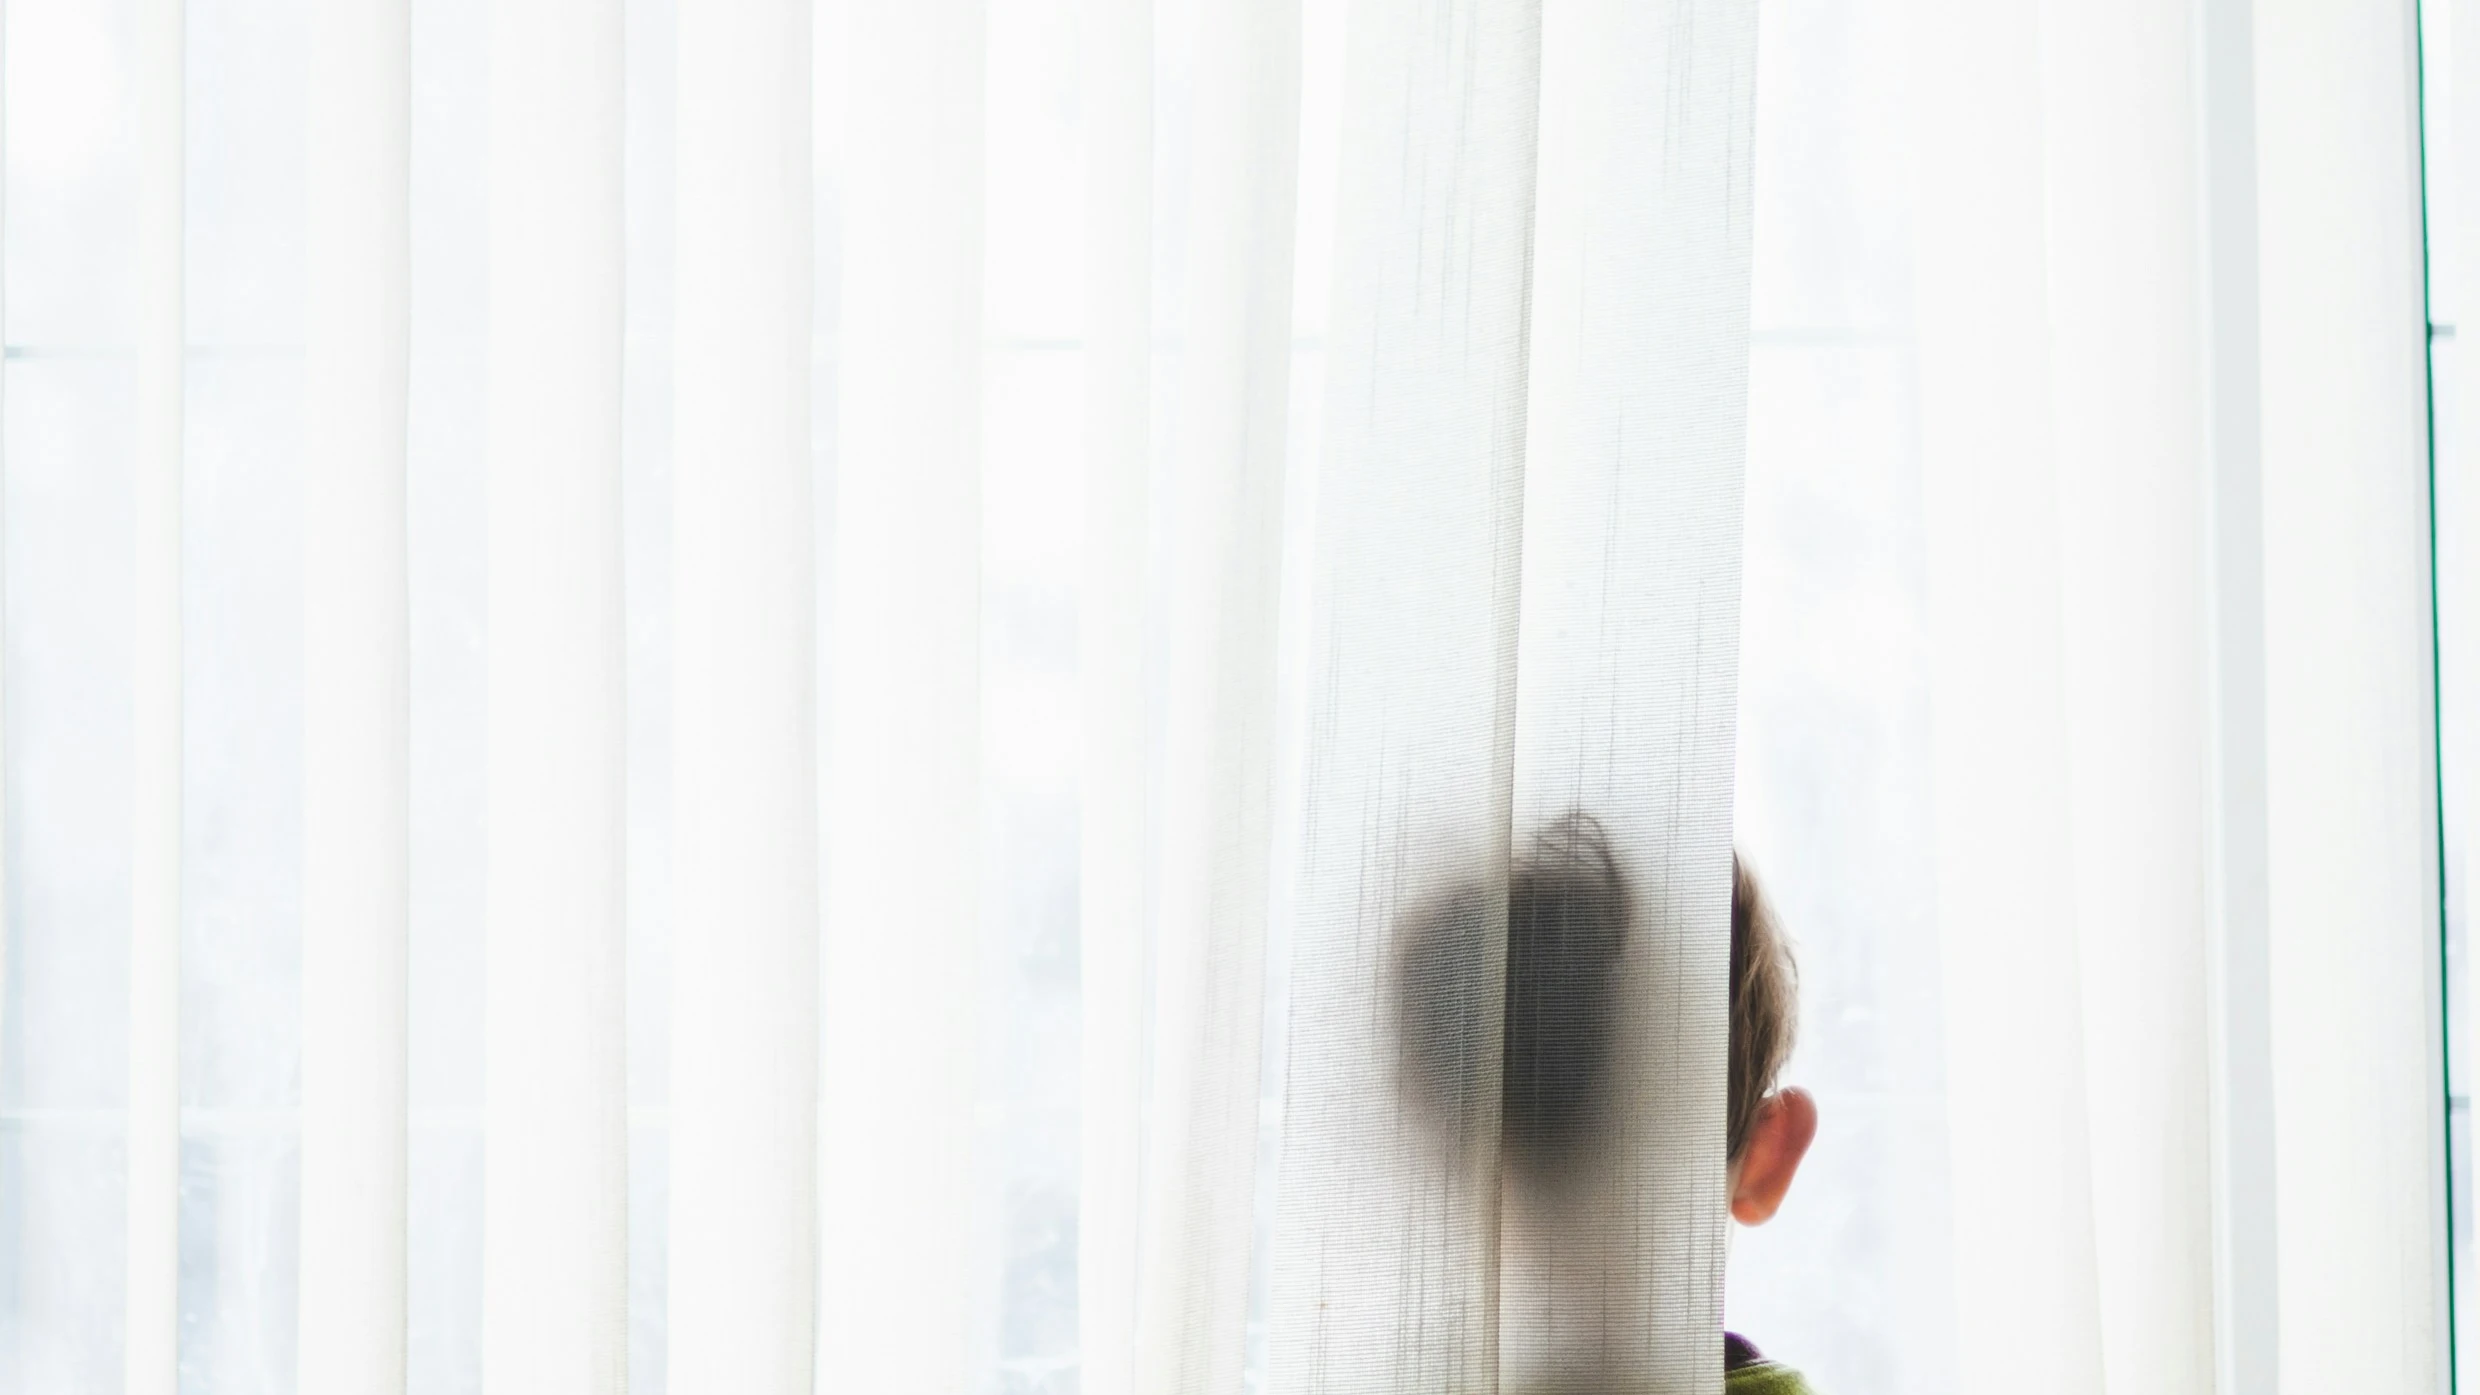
[1769,1131]
[1570,916]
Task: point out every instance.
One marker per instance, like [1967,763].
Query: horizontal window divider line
[1826,337]
[47,353]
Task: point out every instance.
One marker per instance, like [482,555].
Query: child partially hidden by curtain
[1770,1129]
[1570,919]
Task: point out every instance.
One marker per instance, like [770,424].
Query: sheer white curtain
[2087,734]
[2184,732]
[743,696]
[604,700]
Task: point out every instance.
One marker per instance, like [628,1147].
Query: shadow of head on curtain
[1512,1010]
[1519,1053]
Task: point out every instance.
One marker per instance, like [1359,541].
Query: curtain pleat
[150,1320]
[555,1203]
[1627,651]
[2246,1301]
[744,796]
[903,905]
[2350,703]
[2064,491]
[1387,1232]
[1219,714]
[1526,609]
[356,701]
[2021,1175]
[1117,67]
[744,1059]
[2126,355]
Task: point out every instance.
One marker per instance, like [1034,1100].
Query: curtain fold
[1626,663]
[1526,599]
[742,1254]
[356,702]
[1116,72]
[2353,925]
[555,1180]
[903,972]
[2018,1114]
[1386,1245]
[2133,548]
[1223,592]
[151,1320]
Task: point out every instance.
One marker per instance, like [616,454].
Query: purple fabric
[1738,1351]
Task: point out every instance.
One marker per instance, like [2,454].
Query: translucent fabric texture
[1523,659]
[2169,932]
[851,696]
[2081,667]
[1031,696]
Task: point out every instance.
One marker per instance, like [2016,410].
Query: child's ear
[1778,1137]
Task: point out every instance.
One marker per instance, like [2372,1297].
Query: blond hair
[1765,1001]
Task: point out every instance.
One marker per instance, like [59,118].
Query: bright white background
[1852,1281]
